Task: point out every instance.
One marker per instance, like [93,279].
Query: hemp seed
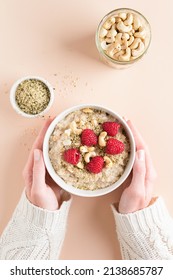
[32,96]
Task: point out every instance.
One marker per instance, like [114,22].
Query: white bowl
[13,96]
[60,181]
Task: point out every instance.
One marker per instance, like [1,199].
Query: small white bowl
[60,181]
[13,96]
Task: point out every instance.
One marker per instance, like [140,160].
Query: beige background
[55,39]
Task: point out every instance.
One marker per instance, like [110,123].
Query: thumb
[139,170]
[38,170]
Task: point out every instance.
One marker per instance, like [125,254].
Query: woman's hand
[138,194]
[41,190]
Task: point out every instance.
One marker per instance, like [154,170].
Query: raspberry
[95,165]
[111,128]
[114,146]
[72,156]
[88,137]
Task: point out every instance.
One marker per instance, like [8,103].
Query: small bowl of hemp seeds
[31,96]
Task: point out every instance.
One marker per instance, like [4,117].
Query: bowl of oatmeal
[89,150]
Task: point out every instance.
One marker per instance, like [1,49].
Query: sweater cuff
[144,219]
[43,218]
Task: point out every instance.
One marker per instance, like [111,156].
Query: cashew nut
[108,40]
[126,56]
[85,149]
[129,19]
[88,156]
[108,162]
[103,32]
[104,45]
[135,44]
[87,110]
[113,48]
[91,149]
[122,15]
[125,36]
[119,38]
[141,34]
[136,22]
[74,128]
[117,55]
[139,50]
[130,41]
[112,33]
[77,144]
[107,25]
[123,28]
[101,140]
[132,32]
[118,19]
[125,44]
[117,46]
[80,165]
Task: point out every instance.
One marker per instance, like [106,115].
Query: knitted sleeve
[33,232]
[145,234]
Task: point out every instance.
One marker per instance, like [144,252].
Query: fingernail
[141,155]
[36,155]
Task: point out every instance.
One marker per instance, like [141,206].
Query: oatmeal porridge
[89,149]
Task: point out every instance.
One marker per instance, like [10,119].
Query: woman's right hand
[41,190]
[138,193]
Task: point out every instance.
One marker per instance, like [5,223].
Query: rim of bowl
[13,94]
[101,51]
[69,188]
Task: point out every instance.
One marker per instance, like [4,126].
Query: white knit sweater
[35,233]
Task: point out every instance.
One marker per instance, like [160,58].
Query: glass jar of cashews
[122,38]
